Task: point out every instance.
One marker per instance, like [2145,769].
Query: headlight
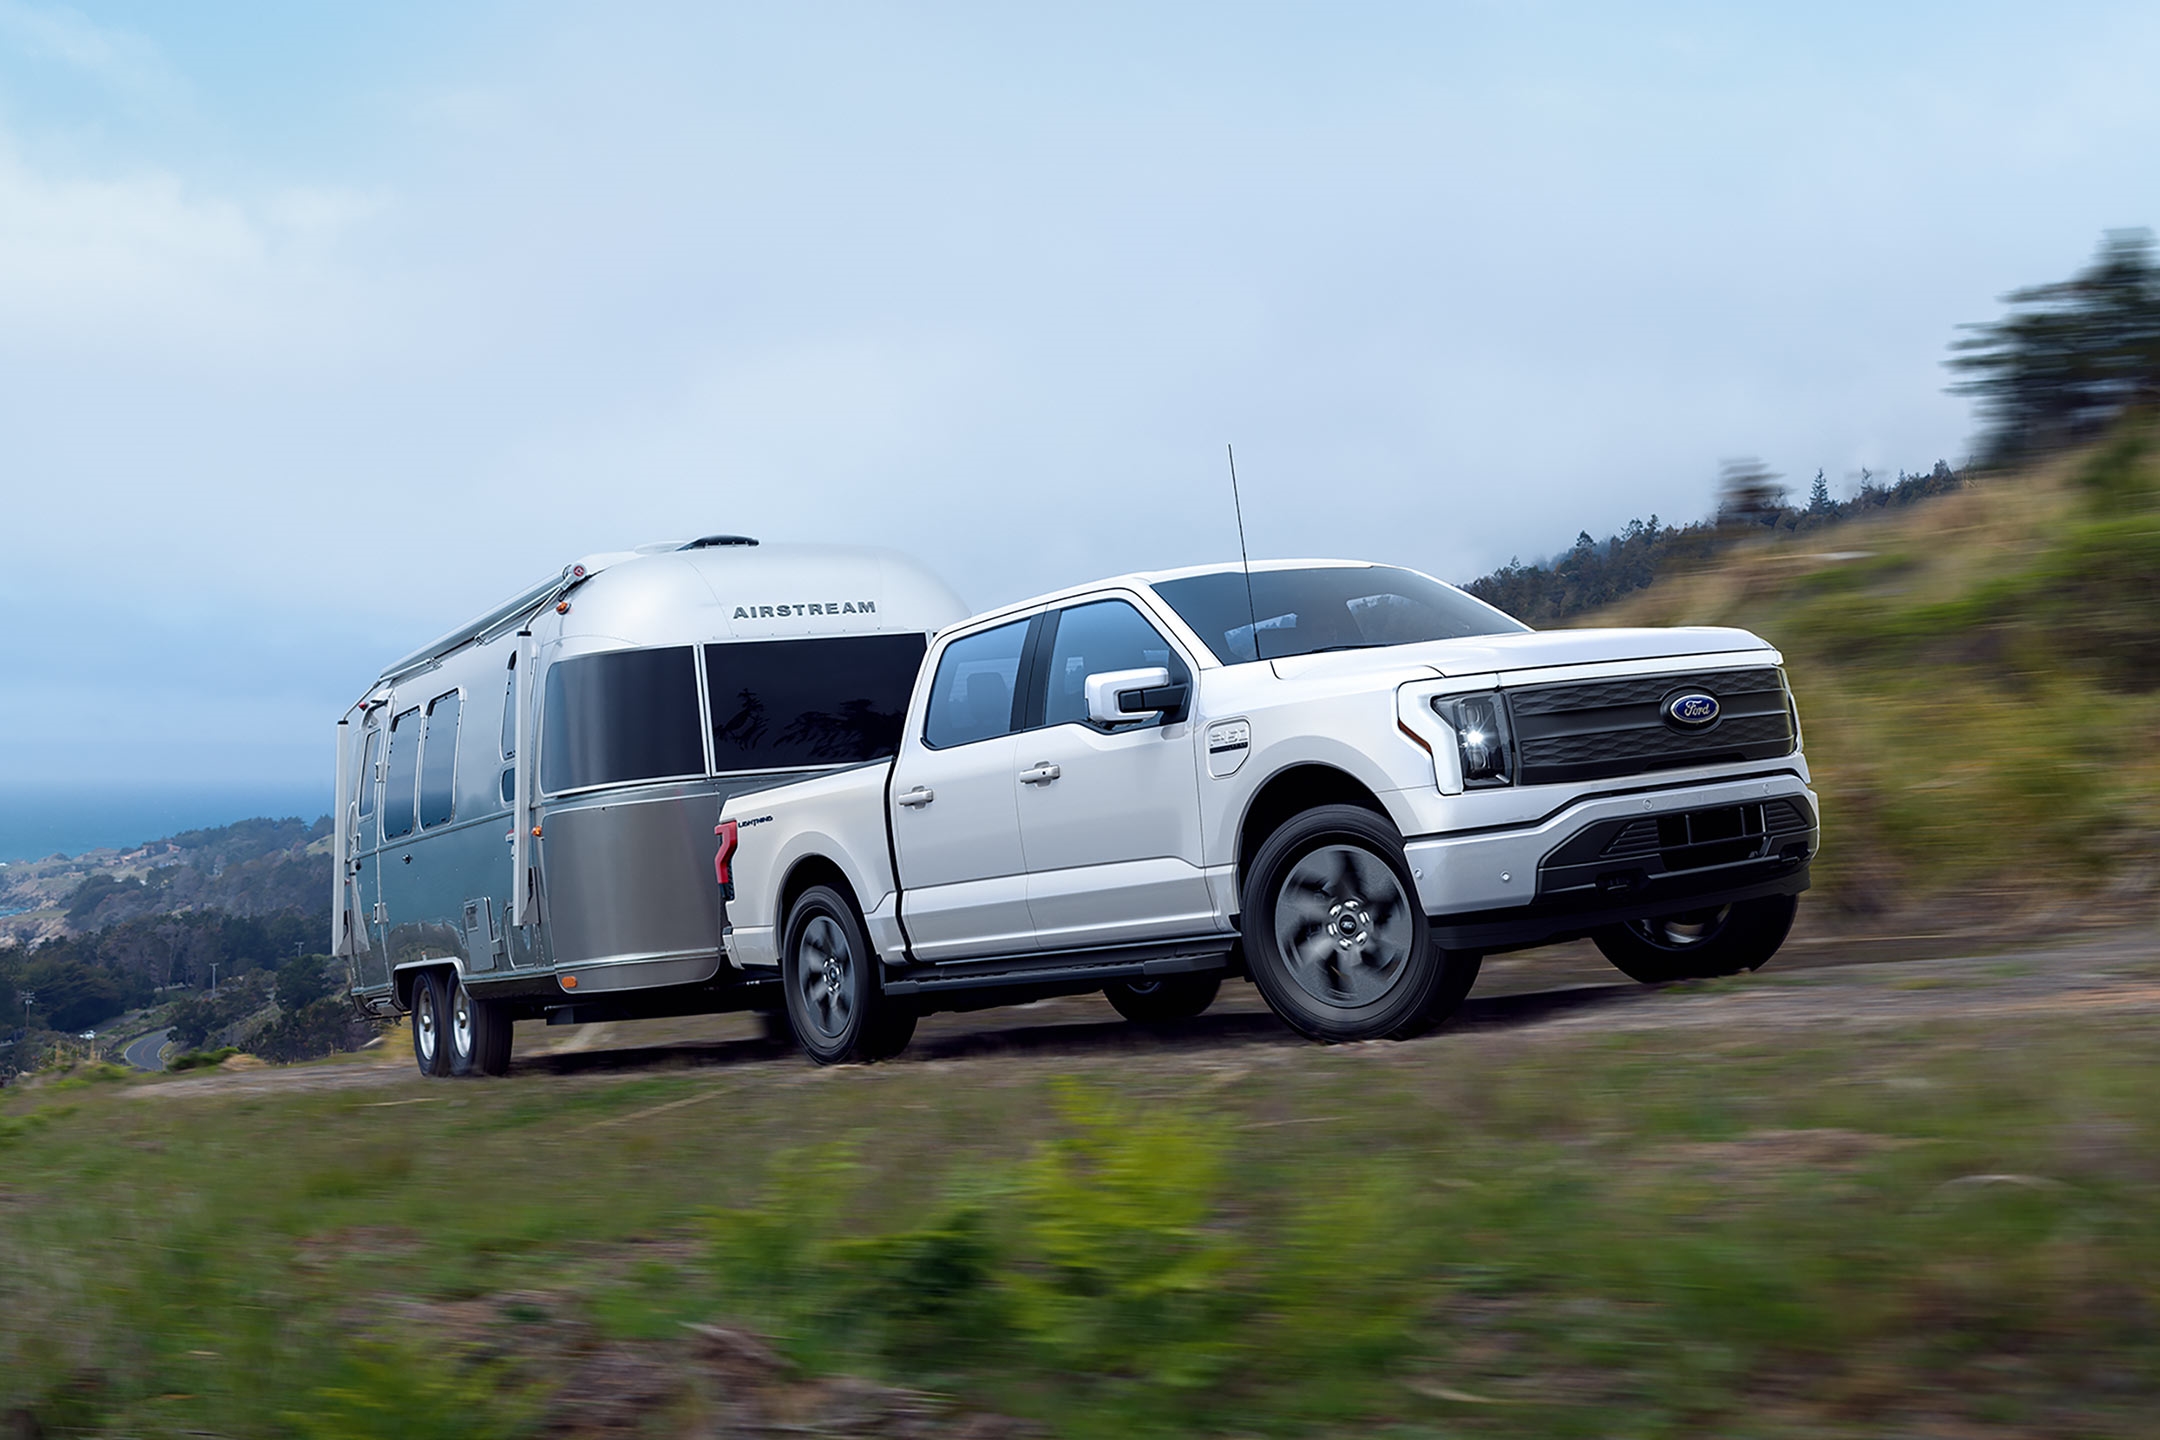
[1481,735]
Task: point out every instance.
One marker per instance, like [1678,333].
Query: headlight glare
[1481,735]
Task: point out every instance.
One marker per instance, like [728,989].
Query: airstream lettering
[554,857]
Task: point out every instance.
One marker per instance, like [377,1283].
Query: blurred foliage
[2072,357]
[202,1059]
[1594,573]
[1899,1228]
[405,1388]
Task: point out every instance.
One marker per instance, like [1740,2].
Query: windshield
[1333,607]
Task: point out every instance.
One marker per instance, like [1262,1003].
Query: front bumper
[1615,857]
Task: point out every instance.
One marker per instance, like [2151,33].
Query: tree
[1748,493]
[1818,499]
[2071,356]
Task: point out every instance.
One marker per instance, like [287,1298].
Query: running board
[1071,971]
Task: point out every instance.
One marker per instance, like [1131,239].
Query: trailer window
[627,715]
[397,804]
[972,697]
[438,766]
[789,704]
[367,772]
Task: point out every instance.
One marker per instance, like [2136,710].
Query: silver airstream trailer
[526,806]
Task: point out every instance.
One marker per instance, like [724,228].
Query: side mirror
[1120,697]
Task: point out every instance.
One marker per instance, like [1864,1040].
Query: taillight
[723,871]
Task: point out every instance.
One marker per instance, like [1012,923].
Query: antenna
[1252,612]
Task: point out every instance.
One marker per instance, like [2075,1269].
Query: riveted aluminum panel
[631,877]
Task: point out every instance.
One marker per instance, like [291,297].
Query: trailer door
[371,966]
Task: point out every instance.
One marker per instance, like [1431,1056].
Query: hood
[1531,650]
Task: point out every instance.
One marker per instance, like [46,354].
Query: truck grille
[1597,729]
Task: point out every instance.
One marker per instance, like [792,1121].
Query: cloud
[121,59]
[144,264]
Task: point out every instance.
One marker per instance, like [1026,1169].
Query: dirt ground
[1560,991]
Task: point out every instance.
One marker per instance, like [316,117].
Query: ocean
[39,820]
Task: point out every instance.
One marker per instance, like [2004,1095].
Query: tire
[1165,1001]
[1700,944]
[492,1026]
[431,1024]
[462,1032]
[1334,935]
[478,1030]
[837,1009]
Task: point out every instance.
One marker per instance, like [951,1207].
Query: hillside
[111,932]
[255,869]
[1979,688]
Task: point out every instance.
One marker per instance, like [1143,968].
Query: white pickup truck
[1349,782]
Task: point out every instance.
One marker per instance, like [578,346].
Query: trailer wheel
[835,1005]
[1700,944]
[1335,937]
[1164,1001]
[479,1030]
[431,1024]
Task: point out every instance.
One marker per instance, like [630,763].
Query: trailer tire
[829,974]
[462,1032]
[1702,944]
[1335,937]
[492,1034]
[1163,1001]
[431,1024]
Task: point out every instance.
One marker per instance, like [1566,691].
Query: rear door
[955,816]
[1109,815]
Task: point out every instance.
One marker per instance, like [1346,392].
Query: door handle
[918,797]
[1042,774]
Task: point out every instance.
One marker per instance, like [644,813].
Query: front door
[1109,815]
[955,816]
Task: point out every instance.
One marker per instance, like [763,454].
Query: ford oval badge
[1692,709]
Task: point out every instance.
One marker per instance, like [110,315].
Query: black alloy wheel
[1700,944]
[430,1024]
[835,1005]
[1335,937]
[1163,1001]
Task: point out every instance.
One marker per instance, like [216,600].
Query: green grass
[1980,691]
[1531,1237]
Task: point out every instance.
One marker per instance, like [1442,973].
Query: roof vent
[712,542]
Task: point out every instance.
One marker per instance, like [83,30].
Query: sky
[324,327]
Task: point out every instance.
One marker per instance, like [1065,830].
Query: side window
[368,755]
[397,803]
[438,769]
[972,696]
[1098,637]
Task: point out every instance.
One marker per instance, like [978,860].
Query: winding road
[145,1053]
